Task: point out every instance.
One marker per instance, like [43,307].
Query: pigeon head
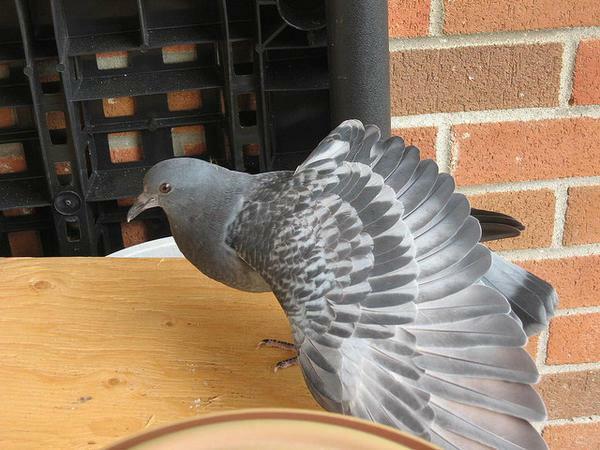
[200,199]
[174,183]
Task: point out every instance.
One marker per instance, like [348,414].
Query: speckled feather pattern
[376,262]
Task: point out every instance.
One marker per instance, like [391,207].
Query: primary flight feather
[399,314]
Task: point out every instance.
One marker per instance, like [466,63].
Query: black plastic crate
[92,94]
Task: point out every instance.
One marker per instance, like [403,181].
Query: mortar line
[443,144]
[540,362]
[560,212]
[436,18]
[539,426]
[567,368]
[553,183]
[533,185]
[542,350]
[577,311]
[594,418]
[496,115]
[491,38]
[551,253]
[567,70]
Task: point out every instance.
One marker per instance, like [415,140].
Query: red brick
[46,70]
[519,151]
[184,100]
[475,78]
[532,346]
[478,16]
[174,54]
[421,137]
[188,140]
[63,168]
[12,158]
[4,71]
[222,101]
[251,149]
[134,233]
[535,209]
[586,80]
[408,18]
[8,117]
[127,201]
[118,106]
[574,339]
[18,212]
[55,120]
[125,147]
[247,102]
[571,394]
[112,60]
[577,280]
[581,436]
[582,224]
[25,243]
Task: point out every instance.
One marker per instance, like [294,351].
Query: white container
[158,248]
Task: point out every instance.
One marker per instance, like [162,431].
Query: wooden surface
[93,349]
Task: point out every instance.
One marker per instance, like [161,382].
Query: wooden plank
[93,349]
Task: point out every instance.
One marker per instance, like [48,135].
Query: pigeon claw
[275,343]
[285,364]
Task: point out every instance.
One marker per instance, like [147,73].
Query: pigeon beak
[142,203]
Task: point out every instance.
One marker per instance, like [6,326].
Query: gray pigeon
[398,314]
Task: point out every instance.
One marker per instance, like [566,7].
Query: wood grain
[93,349]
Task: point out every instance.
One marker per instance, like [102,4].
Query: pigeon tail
[495,225]
[531,298]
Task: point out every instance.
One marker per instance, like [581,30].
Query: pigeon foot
[285,364]
[275,343]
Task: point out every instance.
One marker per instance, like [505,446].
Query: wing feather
[378,267]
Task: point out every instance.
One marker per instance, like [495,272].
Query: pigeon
[399,314]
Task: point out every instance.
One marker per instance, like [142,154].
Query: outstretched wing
[376,262]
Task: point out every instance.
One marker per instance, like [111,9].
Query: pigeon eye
[165,188]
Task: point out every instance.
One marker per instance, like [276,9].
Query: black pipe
[359,66]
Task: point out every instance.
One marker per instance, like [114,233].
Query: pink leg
[286,363]
[274,343]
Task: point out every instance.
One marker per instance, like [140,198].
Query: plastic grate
[92,94]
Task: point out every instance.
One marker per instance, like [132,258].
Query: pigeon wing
[376,262]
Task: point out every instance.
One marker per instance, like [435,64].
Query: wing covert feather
[377,266]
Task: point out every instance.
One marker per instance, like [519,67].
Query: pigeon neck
[200,230]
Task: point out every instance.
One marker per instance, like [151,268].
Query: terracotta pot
[270,429]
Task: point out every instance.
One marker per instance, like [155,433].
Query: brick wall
[506,96]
